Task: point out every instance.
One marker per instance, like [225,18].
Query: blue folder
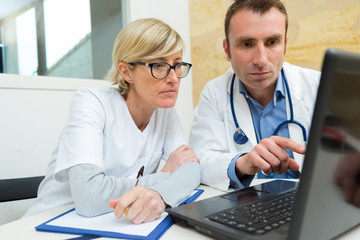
[161,228]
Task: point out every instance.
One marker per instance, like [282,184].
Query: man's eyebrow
[252,39]
[278,36]
[244,39]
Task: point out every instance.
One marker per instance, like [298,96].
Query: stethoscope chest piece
[240,137]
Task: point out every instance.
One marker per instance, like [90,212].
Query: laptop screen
[329,191]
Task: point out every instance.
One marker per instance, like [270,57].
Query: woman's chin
[167,104]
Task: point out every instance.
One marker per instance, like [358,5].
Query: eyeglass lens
[161,70]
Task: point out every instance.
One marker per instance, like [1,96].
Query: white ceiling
[7,7]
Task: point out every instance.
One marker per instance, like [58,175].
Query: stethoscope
[240,137]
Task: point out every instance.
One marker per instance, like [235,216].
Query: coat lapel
[301,113]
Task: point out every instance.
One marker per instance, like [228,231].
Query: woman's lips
[169,92]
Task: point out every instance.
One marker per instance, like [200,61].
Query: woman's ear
[125,72]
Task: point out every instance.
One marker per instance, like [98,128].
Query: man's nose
[260,58]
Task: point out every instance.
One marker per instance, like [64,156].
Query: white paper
[108,223]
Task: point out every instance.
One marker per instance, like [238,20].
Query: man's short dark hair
[258,6]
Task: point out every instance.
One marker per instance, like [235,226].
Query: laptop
[315,207]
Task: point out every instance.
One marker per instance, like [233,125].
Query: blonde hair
[143,39]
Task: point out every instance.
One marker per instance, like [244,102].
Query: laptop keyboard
[259,217]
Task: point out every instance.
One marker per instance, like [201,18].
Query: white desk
[24,228]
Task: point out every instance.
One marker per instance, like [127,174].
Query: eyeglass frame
[170,67]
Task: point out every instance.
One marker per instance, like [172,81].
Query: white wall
[33,113]
[176,14]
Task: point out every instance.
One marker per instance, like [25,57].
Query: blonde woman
[113,132]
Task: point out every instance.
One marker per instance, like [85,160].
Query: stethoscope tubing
[240,137]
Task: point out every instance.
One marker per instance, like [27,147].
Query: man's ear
[226,50]
[125,72]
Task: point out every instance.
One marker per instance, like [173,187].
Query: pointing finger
[287,143]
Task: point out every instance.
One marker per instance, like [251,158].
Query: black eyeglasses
[160,70]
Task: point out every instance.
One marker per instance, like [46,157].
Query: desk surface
[24,228]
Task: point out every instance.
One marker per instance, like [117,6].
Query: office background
[28,138]
[314,25]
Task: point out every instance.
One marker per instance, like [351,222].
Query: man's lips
[259,73]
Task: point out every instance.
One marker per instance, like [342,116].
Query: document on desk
[107,225]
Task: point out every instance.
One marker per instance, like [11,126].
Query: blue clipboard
[160,229]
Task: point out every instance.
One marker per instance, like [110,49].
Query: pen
[139,175]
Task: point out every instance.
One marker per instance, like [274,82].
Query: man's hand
[181,155]
[141,205]
[270,157]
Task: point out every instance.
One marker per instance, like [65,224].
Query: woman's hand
[181,155]
[140,205]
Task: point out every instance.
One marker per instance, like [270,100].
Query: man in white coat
[264,134]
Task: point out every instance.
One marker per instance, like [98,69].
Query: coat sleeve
[209,136]
[174,136]
[92,189]
[180,184]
